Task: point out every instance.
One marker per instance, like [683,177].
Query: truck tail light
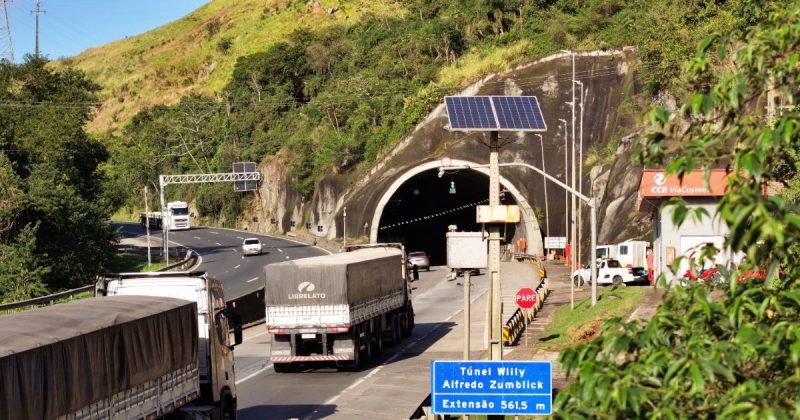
[276,330]
[340,329]
[630,270]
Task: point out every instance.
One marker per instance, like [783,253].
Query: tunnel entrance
[419,212]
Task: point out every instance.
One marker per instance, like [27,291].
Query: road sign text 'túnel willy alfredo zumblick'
[492,387]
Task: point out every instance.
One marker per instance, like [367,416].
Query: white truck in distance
[176,217]
[629,253]
[217,384]
[608,272]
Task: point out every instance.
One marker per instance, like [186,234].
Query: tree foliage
[54,204]
[735,353]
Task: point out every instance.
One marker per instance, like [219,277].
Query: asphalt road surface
[221,256]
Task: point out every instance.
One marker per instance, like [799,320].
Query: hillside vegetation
[197,53]
[331,98]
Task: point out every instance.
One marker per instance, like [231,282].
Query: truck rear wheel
[367,328]
[378,334]
[227,407]
[616,281]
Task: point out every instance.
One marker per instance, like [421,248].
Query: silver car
[251,246]
[420,259]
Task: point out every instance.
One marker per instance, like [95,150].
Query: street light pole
[164,223]
[580,176]
[544,187]
[566,178]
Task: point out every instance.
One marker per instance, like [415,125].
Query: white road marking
[253,375]
[252,280]
[217,243]
[287,257]
[394,357]
[197,237]
[215,233]
[239,237]
[280,250]
[237,266]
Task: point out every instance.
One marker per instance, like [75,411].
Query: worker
[650,271]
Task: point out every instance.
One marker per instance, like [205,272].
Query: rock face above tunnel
[610,84]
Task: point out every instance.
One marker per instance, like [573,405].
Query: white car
[609,272]
[251,246]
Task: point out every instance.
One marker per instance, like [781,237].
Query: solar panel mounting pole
[496,331]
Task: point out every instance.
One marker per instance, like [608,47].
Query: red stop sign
[526,298]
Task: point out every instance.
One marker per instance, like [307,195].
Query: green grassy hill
[197,53]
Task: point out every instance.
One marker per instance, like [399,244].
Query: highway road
[380,390]
[320,391]
[221,257]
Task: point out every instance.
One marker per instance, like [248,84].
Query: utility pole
[544,187]
[580,178]
[566,181]
[573,237]
[496,331]
[147,225]
[38,12]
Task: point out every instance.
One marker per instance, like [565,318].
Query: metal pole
[496,337]
[147,225]
[593,207]
[466,314]
[344,224]
[544,187]
[573,236]
[580,180]
[566,180]
[164,226]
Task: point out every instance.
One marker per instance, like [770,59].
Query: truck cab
[214,320]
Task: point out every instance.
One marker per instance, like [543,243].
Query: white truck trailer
[629,253]
[338,307]
[175,217]
[124,357]
[214,368]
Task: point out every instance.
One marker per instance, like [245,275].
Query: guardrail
[520,319]
[187,262]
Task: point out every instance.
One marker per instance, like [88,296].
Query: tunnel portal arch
[529,222]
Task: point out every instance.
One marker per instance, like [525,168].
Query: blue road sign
[485,387]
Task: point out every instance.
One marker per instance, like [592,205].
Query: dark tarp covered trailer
[348,278]
[58,359]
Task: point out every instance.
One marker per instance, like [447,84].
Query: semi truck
[175,217]
[214,324]
[121,357]
[338,308]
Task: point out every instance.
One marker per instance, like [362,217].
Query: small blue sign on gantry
[492,387]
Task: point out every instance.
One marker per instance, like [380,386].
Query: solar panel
[494,113]
[518,113]
[470,113]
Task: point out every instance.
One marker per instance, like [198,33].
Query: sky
[71,26]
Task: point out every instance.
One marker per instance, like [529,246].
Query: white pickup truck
[609,272]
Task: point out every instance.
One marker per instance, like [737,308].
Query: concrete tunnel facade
[530,225]
[366,194]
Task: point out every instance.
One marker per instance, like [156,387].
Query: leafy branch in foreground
[703,354]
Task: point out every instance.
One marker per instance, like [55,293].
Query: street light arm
[587,200]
